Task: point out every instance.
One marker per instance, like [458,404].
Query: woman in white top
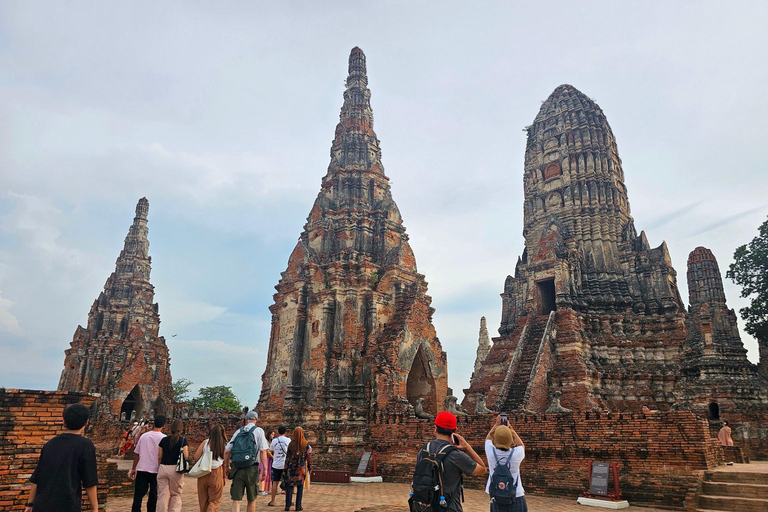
[211,486]
[503,441]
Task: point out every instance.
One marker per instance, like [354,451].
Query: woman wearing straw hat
[503,444]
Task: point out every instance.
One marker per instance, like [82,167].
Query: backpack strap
[282,448]
[440,456]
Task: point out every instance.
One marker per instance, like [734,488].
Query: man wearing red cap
[463,461]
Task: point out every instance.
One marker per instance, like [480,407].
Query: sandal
[270,504]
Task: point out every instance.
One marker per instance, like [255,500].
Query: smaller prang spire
[355,146]
[484,344]
[705,283]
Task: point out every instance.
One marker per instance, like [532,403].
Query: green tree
[750,271]
[218,397]
[181,390]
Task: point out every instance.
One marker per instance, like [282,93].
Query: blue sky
[222,116]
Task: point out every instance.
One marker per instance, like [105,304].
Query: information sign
[599,481]
[364,460]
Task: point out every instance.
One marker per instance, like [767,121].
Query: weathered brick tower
[717,378]
[120,354]
[352,329]
[592,310]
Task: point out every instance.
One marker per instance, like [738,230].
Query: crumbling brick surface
[28,419]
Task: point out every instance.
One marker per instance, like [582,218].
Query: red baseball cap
[446,420]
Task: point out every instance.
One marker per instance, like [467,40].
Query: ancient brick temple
[593,311]
[717,379]
[119,354]
[352,329]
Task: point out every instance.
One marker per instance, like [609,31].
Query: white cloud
[208,178]
[180,313]
[8,322]
[37,223]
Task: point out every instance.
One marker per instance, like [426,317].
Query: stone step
[736,477]
[736,490]
[728,503]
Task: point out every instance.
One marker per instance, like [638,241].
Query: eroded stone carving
[480,407]
[453,407]
[555,407]
[418,409]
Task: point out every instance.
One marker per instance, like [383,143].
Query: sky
[222,115]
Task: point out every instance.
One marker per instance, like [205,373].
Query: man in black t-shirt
[66,462]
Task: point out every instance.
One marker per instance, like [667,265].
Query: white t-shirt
[518,454]
[148,449]
[216,463]
[258,436]
[279,449]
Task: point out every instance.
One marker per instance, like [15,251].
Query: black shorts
[277,474]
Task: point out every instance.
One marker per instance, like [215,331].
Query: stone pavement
[386,497]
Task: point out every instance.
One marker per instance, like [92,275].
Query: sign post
[365,459]
[603,483]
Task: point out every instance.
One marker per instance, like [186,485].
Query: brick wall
[28,419]
[661,456]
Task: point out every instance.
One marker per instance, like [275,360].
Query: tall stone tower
[352,329]
[120,354]
[718,379]
[587,284]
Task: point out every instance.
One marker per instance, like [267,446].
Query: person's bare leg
[274,491]
[235,506]
[251,506]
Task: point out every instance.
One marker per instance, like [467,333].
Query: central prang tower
[352,329]
[587,287]
[581,247]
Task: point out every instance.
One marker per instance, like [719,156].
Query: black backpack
[427,493]
[503,488]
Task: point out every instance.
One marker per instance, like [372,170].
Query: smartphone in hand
[504,419]
[455,440]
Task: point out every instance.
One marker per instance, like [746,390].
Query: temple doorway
[547,296]
[133,402]
[713,411]
[421,383]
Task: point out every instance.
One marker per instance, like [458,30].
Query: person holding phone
[462,461]
[503,443]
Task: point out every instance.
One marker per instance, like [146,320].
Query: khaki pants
[169,486]
[209,490]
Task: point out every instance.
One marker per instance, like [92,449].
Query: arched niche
[133,402]
[421,383]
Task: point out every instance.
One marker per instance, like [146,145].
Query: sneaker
[263,493]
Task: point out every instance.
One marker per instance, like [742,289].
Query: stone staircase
[520,379]
[738,491]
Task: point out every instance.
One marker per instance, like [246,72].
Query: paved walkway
[353,497]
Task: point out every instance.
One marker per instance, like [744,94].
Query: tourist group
[68,464]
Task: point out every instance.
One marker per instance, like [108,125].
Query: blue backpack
[503,489]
